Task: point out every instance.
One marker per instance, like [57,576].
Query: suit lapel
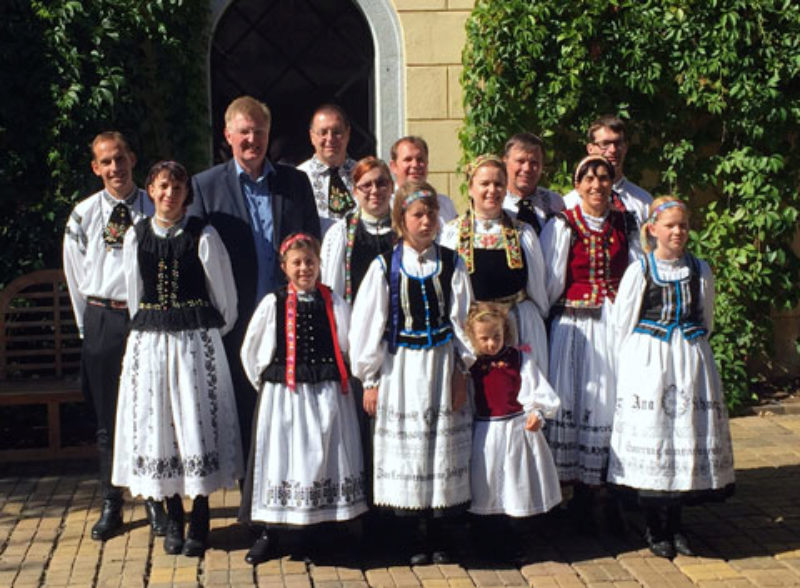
[277,190]
[235,189]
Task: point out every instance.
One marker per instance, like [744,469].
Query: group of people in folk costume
[421,367]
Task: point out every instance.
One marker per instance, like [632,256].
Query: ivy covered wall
[71,69]
[711,94]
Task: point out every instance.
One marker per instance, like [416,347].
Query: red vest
[597,259]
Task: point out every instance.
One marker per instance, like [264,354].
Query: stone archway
[295,55]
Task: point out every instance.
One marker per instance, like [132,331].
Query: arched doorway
[294,55]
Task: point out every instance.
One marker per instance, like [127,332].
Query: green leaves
[71,69]
[710,94]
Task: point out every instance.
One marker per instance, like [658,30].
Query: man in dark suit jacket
[253,204]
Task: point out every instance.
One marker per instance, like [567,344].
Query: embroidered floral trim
[597,244]
[118,223]
[319,494]
[467,238]
[352,226]
[195,466]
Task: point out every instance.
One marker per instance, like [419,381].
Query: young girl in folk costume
[409,349]
[502,256]
[587,249]
[512,471]
[177,429]
[305,465]
[671,440]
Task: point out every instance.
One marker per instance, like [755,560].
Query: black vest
[492,278]
[315,360]
[667,306]
[428,302]
[366,248]
[174,296]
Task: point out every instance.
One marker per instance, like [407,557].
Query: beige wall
[433,36]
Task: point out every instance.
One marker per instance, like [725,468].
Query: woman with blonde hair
[502,256]
[670,442]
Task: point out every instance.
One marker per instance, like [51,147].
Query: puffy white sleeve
[341,312]
[258,347]
[368,323]
[332,270]
[460,301]
[537,276]
[447,210]
[130,266]
[448,237]
[555,241]
[74,252]
[707,295]
[627,306]
[219,276]
[536,393]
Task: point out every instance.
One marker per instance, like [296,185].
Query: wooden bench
[40,357]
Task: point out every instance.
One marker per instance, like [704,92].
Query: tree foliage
[711,92]
[71,69]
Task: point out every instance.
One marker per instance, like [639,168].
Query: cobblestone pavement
[753,539]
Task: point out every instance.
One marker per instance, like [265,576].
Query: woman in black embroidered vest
[356,240]
[407,338]
[350,245]
[305,465]
[587,249]
[502,256]
[671,440]
[177,429]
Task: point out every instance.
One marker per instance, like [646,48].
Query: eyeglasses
[335,133]
[365,187]
[606,145]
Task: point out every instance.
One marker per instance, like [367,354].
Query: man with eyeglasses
[254,204]
[330,169]
[607,137]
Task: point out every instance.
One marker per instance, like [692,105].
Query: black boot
[197,536]
[156,516]
[581,508]
[259,552]
[679,540]
[655,535]
[437,539]
[110,520]
[614,514]
[173,541]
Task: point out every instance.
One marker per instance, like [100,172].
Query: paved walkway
[751,540]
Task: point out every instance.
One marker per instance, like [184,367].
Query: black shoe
[110,520]
[659,546]
[615,517]
[419,559]
[156,516]
[197,536]
[440,558]
[173,540]
[259,552]
[681,544]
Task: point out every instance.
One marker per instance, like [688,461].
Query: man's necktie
[339,199]
[527,212]
[118,223]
